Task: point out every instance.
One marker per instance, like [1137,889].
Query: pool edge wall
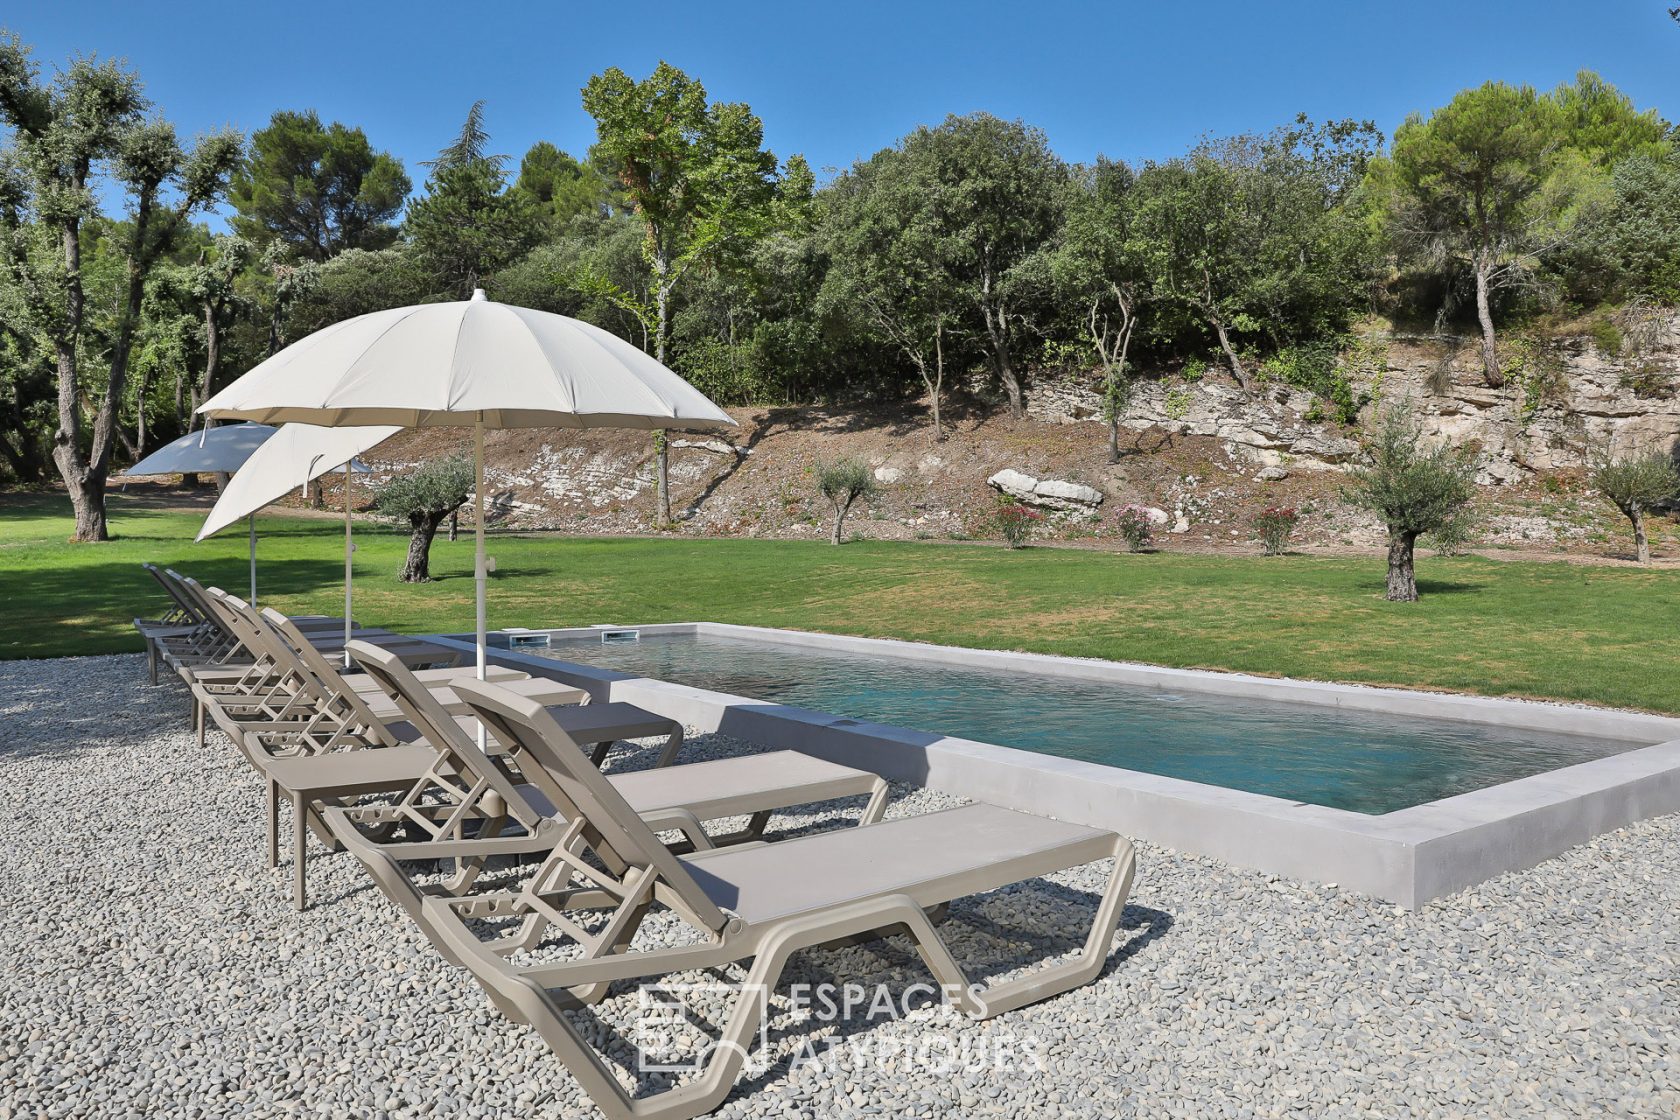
[1408,857]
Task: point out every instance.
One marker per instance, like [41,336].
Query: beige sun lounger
[207,643]
[471,806]
[759,903]
[283,679]
[302,740]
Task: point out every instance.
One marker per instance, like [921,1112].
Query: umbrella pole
[479,574]
[349,547]
[252,520]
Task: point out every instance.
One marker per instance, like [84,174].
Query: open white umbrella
[294,456]
[472,363]
[219,450]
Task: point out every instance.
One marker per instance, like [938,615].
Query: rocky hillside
[1202,455]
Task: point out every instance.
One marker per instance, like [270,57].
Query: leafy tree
[423,498]
[1636,484]
[356,282]
[1632,245]
[699,179]
[1413,489]
[212,285]
[843,483]
[1499,179]
[999,188]
[891,248]
[1250,236]
[1099,262]
[562,188]
[469,225]
[66,134]
[317,189]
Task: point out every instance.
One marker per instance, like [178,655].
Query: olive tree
[1635,484]
[1415,490]
[423,498]
[843,483]
[84,134]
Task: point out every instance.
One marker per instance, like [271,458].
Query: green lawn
[1602,635]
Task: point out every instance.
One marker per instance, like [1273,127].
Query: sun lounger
[298,737]
[759,903]
[471,806]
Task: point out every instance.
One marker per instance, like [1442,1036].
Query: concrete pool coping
[1409,856]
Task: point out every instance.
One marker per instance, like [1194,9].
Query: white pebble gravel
[152,966]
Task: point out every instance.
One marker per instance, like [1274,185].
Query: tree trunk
[1490,350]
[1641,544]
[313,497]
[1402,582]
[934,384]
[840,512]
[422,528]
[1237,368]
[87,493]
[661,439]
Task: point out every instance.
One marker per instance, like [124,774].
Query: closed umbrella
[293,457]
[472,363]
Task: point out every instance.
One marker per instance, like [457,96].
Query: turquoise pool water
[1303,752]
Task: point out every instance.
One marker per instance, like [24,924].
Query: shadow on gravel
[1023,927]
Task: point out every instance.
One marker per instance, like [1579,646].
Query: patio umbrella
[472,363]
[294,456]
[219,450]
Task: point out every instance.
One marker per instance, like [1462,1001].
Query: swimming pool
[1365,762]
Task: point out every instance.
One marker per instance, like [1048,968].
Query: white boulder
[1050,493]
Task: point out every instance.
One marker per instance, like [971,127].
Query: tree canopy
[318,189]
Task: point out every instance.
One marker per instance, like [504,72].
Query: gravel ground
[152,966]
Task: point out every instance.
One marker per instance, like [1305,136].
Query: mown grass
[1573,632]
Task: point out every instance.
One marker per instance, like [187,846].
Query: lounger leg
[756,825]
[273,799]
[672,746]
[151,661]
[198,719]
[877,806]
[300,840]
[599,754]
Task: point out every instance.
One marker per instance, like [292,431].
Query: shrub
[1452,536]
[1134,527]
[1276,524]
[1015,523]
[843,482]
[1317,367]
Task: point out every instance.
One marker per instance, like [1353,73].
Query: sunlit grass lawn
[1601,635]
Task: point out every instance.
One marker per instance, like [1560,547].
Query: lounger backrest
[182,603]
[195,592]
[327,676]
[458,754]
[512,718]
[264,645]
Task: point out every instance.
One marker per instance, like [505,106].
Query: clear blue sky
[837,81]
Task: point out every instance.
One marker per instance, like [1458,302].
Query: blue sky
[1133,79]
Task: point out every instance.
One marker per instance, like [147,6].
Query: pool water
[1364,762]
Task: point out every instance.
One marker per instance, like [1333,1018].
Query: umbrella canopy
[221,449]
[297,455]
[456,364]
[472,363]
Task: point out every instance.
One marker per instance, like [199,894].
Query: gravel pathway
[152,966]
